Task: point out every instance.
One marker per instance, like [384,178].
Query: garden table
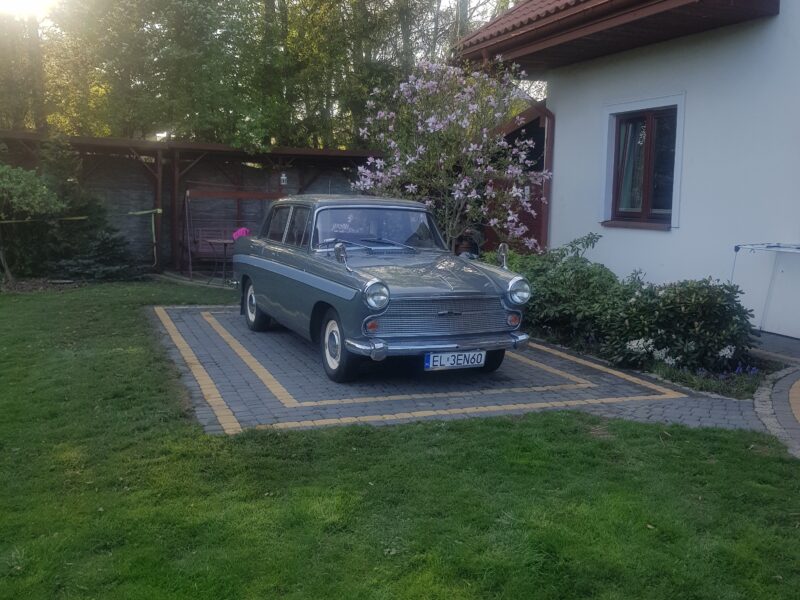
[224,243]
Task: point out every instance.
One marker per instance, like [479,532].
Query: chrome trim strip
[370,282]
[321,283]
[378,349]
[451,297]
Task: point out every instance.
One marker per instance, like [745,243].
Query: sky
[26,8]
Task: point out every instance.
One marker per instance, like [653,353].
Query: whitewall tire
[340,364]
[257,320]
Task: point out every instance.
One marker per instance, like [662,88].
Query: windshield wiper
[392,242]
[329,241]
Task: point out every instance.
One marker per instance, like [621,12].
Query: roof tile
[522,14]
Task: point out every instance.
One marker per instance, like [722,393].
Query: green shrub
[24,196]
[76,241]
[694,324]
[106,258]
[690,324]
[570,293]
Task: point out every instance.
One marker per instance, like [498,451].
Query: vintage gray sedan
[371,277]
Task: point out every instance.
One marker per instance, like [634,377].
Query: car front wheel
[257,320]
[340,364]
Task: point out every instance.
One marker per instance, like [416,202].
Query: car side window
[295,235]
[277,224]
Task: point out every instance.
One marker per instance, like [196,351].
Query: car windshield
[376,228]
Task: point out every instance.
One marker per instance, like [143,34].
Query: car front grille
[442,316]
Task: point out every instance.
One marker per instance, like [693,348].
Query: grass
[109,490]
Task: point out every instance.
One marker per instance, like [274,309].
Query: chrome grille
[442,316]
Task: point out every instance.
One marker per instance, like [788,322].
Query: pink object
[241,232]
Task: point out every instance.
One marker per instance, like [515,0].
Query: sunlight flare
[26,8]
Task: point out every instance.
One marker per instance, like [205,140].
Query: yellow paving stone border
[230,424]
[289,401]
[794,399]
[273,385]
[663,394]
[458,411]
[619,374]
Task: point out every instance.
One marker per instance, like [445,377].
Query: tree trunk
[406,50]
[270,75]
[3,263]
[37,74]
[462,19]
[437,7]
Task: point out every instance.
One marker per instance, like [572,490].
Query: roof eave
[608,25]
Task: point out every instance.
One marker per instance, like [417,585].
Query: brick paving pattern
[241,379]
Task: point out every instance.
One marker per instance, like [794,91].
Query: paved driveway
[240,379]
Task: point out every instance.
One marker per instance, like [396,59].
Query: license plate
[437,361]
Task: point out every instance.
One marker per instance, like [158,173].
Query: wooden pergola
[173,161]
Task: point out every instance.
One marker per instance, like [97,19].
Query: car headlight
[376,295]
[519,291]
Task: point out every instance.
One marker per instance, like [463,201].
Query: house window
[644,166]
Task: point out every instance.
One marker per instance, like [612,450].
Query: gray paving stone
[295,363]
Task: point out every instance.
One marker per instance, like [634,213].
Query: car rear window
[296,234]
[277,224]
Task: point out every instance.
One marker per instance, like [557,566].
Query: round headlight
[376,295]
[519,291]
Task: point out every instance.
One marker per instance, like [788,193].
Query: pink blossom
[459,176]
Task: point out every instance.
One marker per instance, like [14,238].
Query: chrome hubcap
[251,303]
[333,345]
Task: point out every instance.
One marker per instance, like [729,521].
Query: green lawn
[109,490]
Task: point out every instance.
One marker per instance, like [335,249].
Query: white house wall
[740,163]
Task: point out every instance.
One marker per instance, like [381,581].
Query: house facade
[676,136]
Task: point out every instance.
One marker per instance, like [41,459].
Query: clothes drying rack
[774,247]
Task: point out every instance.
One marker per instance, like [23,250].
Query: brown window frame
[645,218]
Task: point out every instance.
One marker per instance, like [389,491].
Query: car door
[269,279]
[298,294]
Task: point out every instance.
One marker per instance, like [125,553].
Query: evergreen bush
[693,324]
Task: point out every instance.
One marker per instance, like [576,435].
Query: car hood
[425,273]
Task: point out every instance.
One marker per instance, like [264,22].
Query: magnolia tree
[440,145]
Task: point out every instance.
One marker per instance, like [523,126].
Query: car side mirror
[502,255]
[340,253]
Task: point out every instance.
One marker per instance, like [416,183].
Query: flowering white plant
[640,346]
[440,145]
[727,352]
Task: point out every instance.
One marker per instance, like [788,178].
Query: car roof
[350,199]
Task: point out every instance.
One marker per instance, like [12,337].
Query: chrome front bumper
[378,349]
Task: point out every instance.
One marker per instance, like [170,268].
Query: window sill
[653,225]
